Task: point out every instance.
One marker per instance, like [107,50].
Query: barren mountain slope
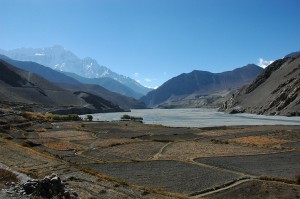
[274,92]
[199,83]
[17,85]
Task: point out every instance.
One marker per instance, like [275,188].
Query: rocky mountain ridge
[199,84]
[276,91]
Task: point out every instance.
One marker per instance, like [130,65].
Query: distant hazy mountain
[107,83]
[45,72]
[61,59]
[201,83]
[123,101]
[276,91]
[22,86]
[62,79]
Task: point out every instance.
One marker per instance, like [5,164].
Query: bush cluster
[50,116]
[129,117]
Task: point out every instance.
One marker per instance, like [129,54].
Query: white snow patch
[105,73]
[151,87]
[59,66]
[39,54]
[264,63]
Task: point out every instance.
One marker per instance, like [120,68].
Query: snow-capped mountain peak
[59,58]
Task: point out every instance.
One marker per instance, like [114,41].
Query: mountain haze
[45,72]
[201,83]
[65,81]
[107,83]
[61,59]
[17,85]
[124,102]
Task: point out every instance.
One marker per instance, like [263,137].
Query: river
[198,118]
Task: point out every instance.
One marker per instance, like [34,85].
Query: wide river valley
[198,118]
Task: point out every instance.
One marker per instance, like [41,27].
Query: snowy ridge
[61,59]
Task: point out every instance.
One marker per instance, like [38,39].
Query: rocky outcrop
[276,91]
[49,187]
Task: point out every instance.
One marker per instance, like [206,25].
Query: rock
[49,187]
[67,194]
[75,194]
[237,109]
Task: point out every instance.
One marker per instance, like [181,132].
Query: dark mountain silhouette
[201,83]
[22,86]
[276,91]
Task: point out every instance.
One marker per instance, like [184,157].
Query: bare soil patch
[292,145]
[132,151]
[103,143]
[259,189]
[171,138]
[281,165]
[171,176]
[189,150]
[133,160]
[67,135]
[62,146]
[262,141]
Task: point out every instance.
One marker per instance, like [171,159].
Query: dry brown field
[134,160]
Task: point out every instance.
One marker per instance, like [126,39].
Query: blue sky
[154,40]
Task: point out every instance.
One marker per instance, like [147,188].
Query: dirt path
[209,192]
[159,153]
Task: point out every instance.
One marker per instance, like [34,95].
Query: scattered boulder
[49,187]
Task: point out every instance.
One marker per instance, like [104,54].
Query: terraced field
[133,160]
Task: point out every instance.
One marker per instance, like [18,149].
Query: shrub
[125,117]
[50,116]
[89,117]
[6,175]
[128,117]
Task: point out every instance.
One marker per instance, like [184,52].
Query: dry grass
[284,180]
[50,117]
[67,135]
[190,149]
[7,176]
[135,151]
[258,140]
[103,143]
[62,146]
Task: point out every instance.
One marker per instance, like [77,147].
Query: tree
[89,117]
[125,117]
